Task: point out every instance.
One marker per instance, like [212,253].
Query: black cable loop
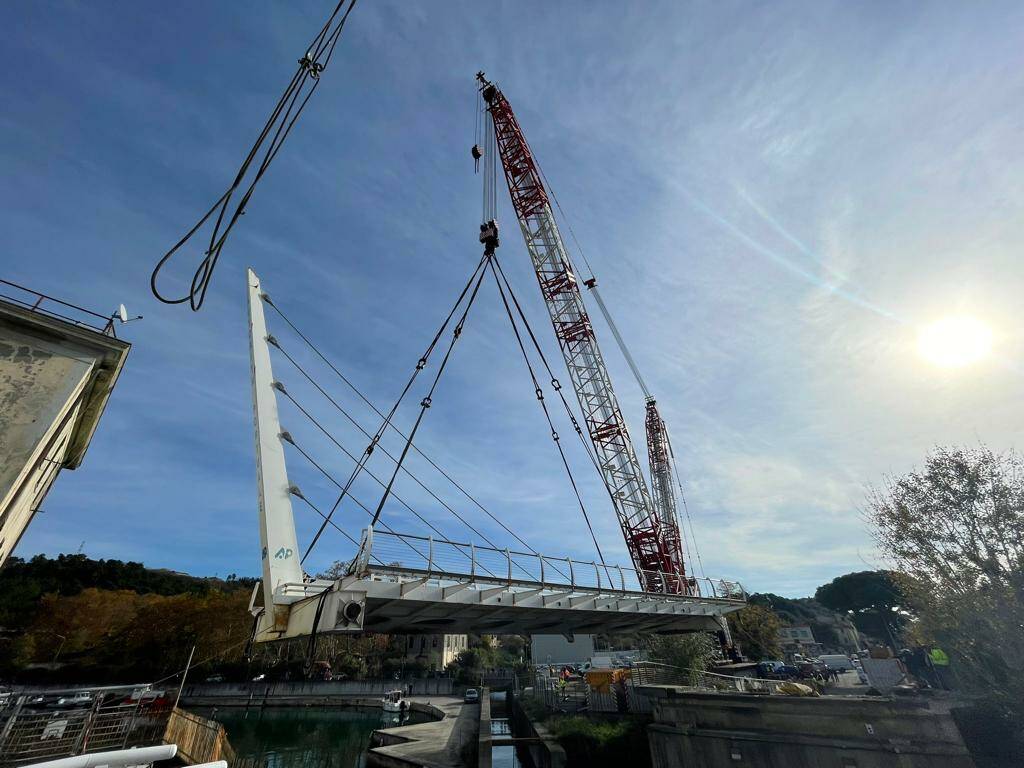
[283,116]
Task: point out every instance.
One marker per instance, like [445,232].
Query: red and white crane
[648,524]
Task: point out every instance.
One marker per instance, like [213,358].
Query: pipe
[118,757]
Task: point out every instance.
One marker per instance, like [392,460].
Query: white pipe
[139,756]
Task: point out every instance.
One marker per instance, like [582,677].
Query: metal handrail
[689,586]
[106,328]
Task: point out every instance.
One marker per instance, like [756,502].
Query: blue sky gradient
[774,198]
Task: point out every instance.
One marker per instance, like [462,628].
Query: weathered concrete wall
[41,388]
[555,649]
[546,752]
[303,692]
[55,379]
[706,729]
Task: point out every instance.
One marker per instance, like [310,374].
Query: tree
[756,630]
[874,599]
[693,652]
[955,531]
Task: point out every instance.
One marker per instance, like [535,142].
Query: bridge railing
[429,555]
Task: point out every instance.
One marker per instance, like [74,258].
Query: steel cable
[400,433]
[420,365]
[280,123]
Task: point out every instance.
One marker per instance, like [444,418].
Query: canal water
[504,756]
[303,737]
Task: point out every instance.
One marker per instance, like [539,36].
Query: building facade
[56,376]
[434,652]
[798,640]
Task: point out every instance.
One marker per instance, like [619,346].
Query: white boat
[393,702]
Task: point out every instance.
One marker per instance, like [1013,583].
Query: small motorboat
[393,702]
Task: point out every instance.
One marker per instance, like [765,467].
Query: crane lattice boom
[662,492]
[643,529]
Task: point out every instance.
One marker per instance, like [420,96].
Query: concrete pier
[451,742]
[714,729]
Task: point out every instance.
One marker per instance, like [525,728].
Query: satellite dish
[122,313]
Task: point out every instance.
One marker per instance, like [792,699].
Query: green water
[303,737]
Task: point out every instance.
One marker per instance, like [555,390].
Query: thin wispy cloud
[768,195]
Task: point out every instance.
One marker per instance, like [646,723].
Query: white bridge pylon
[410,584]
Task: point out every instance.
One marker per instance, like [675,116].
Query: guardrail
[431,556]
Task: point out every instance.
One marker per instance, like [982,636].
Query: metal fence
[48,724]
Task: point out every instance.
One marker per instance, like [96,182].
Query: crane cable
[426,401]
[686,508]
[383,450]
[555,383]
[547,415]
[316,351]
[420,365]
[280,123]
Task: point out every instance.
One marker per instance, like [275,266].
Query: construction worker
[940,663]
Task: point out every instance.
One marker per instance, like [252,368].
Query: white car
[80,699]
[472,696]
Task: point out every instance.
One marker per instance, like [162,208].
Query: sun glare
[954,341]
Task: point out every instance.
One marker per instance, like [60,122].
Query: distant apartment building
[56,374]
[434,652]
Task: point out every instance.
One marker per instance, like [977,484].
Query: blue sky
[775,197]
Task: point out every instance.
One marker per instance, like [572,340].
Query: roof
[109,351]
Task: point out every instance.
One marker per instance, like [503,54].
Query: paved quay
[450,742]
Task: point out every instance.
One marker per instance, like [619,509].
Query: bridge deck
[397,599]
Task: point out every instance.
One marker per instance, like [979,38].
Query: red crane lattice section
[644,532]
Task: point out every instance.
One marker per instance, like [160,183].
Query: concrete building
[798,640]
[434,652]
[558,649]
[56,375]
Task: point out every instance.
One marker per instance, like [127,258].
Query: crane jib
[651,534]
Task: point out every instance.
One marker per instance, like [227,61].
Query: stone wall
[709,730]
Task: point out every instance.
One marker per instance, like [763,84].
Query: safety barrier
[49,724]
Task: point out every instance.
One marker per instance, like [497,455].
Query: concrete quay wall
[700,728]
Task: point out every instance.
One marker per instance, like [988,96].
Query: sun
[954,341]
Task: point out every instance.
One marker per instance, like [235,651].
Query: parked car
[472,696]
[215,679]
[80,699]
[837,661]
[769,669]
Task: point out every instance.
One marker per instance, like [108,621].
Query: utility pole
[184,677]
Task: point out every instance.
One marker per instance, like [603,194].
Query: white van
[837,661]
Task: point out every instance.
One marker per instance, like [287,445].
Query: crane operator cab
[489,236]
